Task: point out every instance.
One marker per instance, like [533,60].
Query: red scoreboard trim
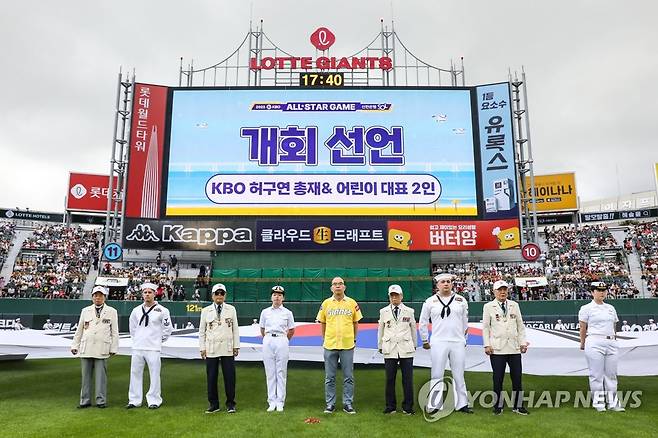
[146,150]
[88,192]
[453,235]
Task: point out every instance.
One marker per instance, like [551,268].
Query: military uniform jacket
[397,338]
[97,337]
[503,331]
[219,334]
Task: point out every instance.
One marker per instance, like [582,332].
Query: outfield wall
[540,314]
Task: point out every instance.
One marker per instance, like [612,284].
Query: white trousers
[456,353]
[275,359]
[152,359]
[601,354]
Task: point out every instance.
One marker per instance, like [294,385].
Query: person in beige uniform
[95,340]
[503,334]
[397,340]
[219,340]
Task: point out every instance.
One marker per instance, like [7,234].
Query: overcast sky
[591,67]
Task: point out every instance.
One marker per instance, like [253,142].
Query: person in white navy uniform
[560,325]
[397,340]
[95,340]
[599,340]
[625,327]
[277,326]
[652,325]
[448,313]
[219,341]
[503,335]
[49,325]
[150,325]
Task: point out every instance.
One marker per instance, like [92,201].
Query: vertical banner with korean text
[146,150]
[497,151]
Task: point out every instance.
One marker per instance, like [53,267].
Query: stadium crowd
[53,263]
[6,236]
[644,238]
[576,257]
[161,273]
[55,260]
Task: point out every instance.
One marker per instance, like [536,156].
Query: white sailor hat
[149,285]
[395,289]
[443,276]
[279,289]
[218,287]
[99,288]
[500,283]
[599,285]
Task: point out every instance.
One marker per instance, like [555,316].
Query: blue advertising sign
[497,152]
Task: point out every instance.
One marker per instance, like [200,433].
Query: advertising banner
[312,152]
[554,192]
[497,151]
[31,215]
[88,192]
[189,235]
[619,215]
[454,235]
[146,151]
[554,219]
[321,235]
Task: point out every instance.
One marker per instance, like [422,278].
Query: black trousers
[407,367]
[498,364]
[212,374]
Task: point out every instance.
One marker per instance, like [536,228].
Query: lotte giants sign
[322,39]
[88,192]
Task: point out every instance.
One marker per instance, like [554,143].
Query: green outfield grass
[39,398]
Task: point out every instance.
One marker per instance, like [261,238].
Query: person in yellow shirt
[339,316]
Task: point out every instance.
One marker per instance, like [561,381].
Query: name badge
[513,316]
[406,319]
[106,321]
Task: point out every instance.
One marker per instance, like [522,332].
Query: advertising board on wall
[89,192]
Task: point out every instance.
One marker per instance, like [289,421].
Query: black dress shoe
[131,406]
[520,411]
[212,409]
[466,410]
[101,406]
[154,406]
[83,406]
[389,411]
[498,411]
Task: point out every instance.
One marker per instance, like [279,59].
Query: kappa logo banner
[189,235]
